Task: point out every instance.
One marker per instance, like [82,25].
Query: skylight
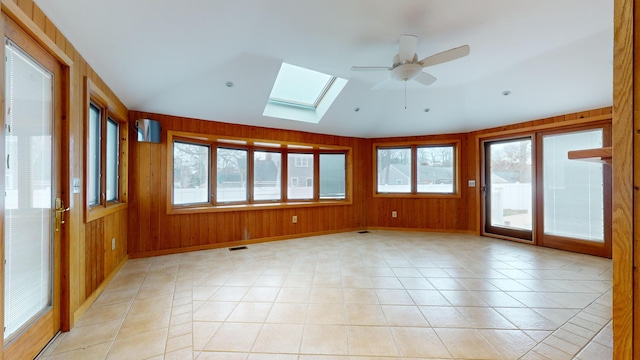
[301,94]
[297,86]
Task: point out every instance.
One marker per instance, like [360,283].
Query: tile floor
[352,296]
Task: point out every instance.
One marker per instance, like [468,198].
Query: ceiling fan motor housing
[406,72]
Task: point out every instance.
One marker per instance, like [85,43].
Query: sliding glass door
[533,192]
[507,190]
[575,195]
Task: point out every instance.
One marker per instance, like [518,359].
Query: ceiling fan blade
[445,56]
[407,47]
[381,85]
[369,68]
[425,79]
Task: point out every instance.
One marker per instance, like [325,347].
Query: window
[231,173]
[302,94]
[190,173]
[394,170]
[214,173]
[418,169]
[93,170]
[332,176]
[105,145]
[297,86]
[302,189]
[267,168]
[435,169]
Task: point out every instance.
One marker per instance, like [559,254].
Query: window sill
[418,196]
[98,212]
[173,210]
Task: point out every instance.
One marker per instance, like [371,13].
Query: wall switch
[113,244]
[294,219]
[394,214]
[472,183]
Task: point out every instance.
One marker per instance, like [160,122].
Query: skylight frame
[300,104]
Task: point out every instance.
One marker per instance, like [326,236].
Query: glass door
[508,192]
[576,208]
[31,235]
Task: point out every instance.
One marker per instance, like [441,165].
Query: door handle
[59,213]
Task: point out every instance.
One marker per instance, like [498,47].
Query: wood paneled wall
[152,231]
[87,255]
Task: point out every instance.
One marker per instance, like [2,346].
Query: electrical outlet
[113,244]
[394,214]
[294,219]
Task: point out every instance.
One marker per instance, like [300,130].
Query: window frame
[285,149]
[108,112]
[413,146]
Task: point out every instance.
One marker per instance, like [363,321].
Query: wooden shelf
[602,155]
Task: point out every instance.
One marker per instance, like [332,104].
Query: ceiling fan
[406,65]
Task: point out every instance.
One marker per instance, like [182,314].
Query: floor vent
[363,232]
[238,248]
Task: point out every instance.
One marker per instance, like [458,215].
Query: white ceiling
[174,57]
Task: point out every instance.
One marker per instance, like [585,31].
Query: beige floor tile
[325,295]
[255,356]
[362,314]
[100,314]
[214,311]
[416,283]
[203,332]
[324,339]
[485,318]
[428,297]
[96,352]
[151,305]
[138,324]
[261,294]
[141,346]
[419,342]
[333,314]
[250,312]
[512,344]
[371,340]
[109,297]
[595,351]
[279,338]
[294,294]
[441,316]
[230,293]
[234,337]
[360,296]
[288,313]
[462,298]
[205,355]
[401,315]
[88,335]
[181,354]
[394,297]
[467,344]
[388,290]
[527,319]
